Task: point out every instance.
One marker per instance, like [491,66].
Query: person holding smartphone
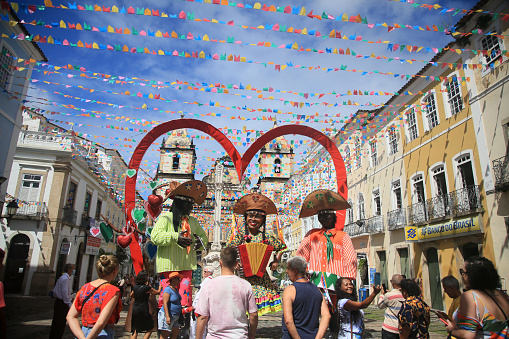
[391,302]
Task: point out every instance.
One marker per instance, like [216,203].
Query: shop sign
[93,245]
[65,248]
[449,229]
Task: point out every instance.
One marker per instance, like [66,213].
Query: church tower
[276,167]
[177,159]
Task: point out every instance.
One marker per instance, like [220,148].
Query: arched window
[277,166]
[176,161]
[360,207]
[349,213]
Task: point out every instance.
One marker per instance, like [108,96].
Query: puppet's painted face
[254,220]
[185,206]
[327,218]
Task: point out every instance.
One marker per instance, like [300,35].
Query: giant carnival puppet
[255,244]
[178,236]
[328,250]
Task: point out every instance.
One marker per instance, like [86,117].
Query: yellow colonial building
[447,219]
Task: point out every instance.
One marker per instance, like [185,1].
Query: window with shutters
[430,112]
[358,153]
[347,159]
[374,153]
[377,203]
[98,209]
[30,187]
[349,213]
[71,195]
[360,206]
[453,96]
[6,63]
[411,125]
[88,201]
[393,140]
[491,47]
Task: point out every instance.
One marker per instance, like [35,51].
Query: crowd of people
[321,298]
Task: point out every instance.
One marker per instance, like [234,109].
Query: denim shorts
[162,325]
[106,333]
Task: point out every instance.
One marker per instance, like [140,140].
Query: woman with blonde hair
[98,302]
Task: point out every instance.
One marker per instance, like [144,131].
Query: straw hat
[191,189]
[255,201]
[322,200]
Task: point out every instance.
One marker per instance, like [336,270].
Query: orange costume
[329,252]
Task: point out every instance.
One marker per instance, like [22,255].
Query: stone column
[212,259]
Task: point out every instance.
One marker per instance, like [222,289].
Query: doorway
[90,268]
[470,250]
[434,278]
[383,267]
[62,258]
[404,262]
[79,261]
[16,263]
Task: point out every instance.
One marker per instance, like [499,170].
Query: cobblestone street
[30,317]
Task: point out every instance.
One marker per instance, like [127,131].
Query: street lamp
[12,207]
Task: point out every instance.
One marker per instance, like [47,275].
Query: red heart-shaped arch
[240,163]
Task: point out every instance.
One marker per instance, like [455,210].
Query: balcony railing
[438,207]
[375,224]
[30,209]
[463,201]
[501,169]
[85,221]
[354,230]
[69,216]
[46,140]
[396,219]
[417,213]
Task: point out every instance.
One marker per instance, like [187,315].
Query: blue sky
[165,68]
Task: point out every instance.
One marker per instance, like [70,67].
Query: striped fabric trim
[313,249]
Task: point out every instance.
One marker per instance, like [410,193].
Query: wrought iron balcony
[85,221]
[69,217]
[460,202]
[501,169]
[31,209]
[376,224]
[465,200]
[438,207]
[353,229]
[396,219]
[417,213]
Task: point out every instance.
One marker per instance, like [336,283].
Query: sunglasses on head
[462,271]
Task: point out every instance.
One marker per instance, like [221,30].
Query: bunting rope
[287,10]
[291,46]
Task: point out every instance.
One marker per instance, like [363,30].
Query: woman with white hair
[303,304]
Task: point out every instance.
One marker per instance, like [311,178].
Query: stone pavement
[30,317]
